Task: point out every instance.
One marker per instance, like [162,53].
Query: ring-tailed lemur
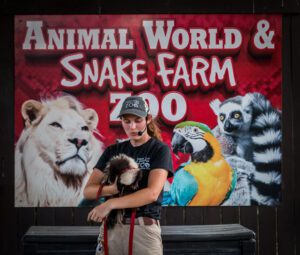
[254,126]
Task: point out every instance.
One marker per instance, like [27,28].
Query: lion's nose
[78,142]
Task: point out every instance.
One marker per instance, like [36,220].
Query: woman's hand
[100,212]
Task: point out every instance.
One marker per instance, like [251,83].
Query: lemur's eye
[85,128]
[237,115]
[222,117]
[55,124]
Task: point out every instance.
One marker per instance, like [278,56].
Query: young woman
[154,159]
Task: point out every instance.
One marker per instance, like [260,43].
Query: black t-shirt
[150,155]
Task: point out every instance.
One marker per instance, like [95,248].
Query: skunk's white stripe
[269,155]
[268,137]
[129,177]
[268,178]
[266,119]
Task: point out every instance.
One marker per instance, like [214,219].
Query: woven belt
[141,221]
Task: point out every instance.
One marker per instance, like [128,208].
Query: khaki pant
[146,240]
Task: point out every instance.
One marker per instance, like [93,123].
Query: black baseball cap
[134,105]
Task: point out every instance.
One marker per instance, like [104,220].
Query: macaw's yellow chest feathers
[214,181]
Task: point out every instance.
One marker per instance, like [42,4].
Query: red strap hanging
[105,241]
[133,213]
[130,244]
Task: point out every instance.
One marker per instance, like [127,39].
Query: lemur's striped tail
[267,137]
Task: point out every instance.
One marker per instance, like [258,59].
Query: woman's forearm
[139,198]
[91,191]
[156,181]
[142,197]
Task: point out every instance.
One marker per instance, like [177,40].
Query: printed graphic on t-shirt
[144,163]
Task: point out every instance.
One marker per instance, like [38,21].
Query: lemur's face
[234,118]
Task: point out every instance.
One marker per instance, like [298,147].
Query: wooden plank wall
[277,229]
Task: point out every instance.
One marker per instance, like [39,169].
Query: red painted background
[39,76]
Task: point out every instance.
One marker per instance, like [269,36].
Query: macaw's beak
[180,144]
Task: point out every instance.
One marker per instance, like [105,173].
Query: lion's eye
[85,128]
[56,124]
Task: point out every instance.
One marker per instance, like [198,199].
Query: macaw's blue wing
[167,199]
[184,187]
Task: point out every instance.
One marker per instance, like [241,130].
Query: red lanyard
[133,212]
[130,244]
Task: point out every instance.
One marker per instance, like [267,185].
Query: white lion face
[64,138]
[55,153]
[63,133]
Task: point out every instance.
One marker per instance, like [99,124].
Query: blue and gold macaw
[206,179]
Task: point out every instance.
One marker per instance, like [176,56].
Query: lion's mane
[55,153]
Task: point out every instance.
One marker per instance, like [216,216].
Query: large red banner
[220,74]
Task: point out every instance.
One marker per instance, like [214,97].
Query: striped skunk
[253,126]
[128,174]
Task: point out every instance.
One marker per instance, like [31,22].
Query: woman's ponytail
[154,130]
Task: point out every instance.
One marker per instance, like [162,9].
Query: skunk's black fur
[127,181]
